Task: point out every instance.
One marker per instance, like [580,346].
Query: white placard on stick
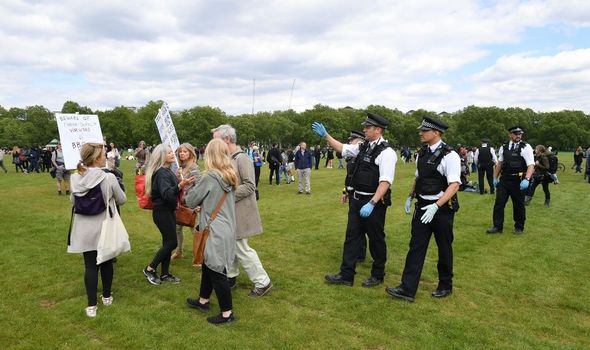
[74,131]
[166,127]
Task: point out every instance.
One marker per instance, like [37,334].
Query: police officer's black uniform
[513,169]
[365,181]
[349,190]
[485,166]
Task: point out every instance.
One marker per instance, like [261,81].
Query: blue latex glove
[430,210]
[495,182]
[408,206]
[524,184]
[367,209]
[319,129]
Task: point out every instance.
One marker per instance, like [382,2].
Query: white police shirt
[492,151]
[526,152]
[450,167]
[385,160]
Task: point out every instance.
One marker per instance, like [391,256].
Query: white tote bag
[114,239]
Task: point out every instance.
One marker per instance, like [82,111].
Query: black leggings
[91,276]
[165,220]
[211,280]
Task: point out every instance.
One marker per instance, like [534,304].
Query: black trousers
[442,228]
[211,280]
[256,175]
[545,181]
[165,220]
[356,228]
[91,276]
[509,187]
[273,169]
[489,174]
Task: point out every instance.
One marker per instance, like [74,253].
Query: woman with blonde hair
[218,180]
[162,187]
[85,230]
[188,168]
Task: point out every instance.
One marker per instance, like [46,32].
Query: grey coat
[86,228]
[220,249]
[247,214]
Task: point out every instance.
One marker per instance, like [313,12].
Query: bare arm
[381,190]
[335,144]
[448,194]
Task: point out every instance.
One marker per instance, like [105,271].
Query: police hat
[376,120]
[356,135]
[430,123]
[516,130]
[485,140]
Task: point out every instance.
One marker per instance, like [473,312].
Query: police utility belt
[362,195]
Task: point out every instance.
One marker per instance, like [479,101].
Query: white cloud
[396,53]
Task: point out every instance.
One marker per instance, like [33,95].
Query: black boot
[547,202]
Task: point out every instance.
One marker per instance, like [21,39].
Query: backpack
[91,203]
[553,163]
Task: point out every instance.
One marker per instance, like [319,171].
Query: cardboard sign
[166,127]
[74,131]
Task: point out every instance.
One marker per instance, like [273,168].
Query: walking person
[512,177]
[248,222]
[579,156]
[540,176]
[438,176]
[62,175]
[485,158]
[371,180]
[85,229]
[303,160]
[218,183]
[188,169]
[16,160]
[163,188]
[274,162]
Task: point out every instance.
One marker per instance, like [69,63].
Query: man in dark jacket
[274,162]
[303,165]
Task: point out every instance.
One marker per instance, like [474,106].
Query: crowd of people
[226,192]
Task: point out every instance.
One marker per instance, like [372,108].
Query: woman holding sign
[163,188]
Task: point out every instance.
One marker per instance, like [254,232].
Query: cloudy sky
[437,55]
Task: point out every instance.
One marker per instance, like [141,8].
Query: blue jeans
[284,170]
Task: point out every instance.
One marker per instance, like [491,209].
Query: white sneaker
[91,311]
[107,301]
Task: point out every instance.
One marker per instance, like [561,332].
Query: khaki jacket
[248,221]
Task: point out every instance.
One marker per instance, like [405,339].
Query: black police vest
[484,158]
[366,173]
[513,162]
[430,181]
[350,165]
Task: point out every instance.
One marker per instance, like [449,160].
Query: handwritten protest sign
[74,131]
[166,127]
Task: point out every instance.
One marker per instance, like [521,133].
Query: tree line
[564,130]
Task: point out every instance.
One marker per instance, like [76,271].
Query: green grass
[510,292]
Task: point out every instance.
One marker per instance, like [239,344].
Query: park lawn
[510,292]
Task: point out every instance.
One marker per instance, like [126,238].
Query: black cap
[434,124]
[516,130]
[485,140]
[376,120]
[356,135]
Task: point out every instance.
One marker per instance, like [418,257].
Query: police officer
[485,158]
[372,177]
[516,164]
[438,176]
[354,138]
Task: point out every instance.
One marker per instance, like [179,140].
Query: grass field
[510,292]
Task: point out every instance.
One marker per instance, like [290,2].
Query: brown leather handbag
[200,236]
[185,216]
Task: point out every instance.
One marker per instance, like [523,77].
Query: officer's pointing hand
[408,206]
[429,212]
[319,129]
[367,209]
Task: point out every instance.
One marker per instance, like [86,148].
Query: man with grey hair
[248,221]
